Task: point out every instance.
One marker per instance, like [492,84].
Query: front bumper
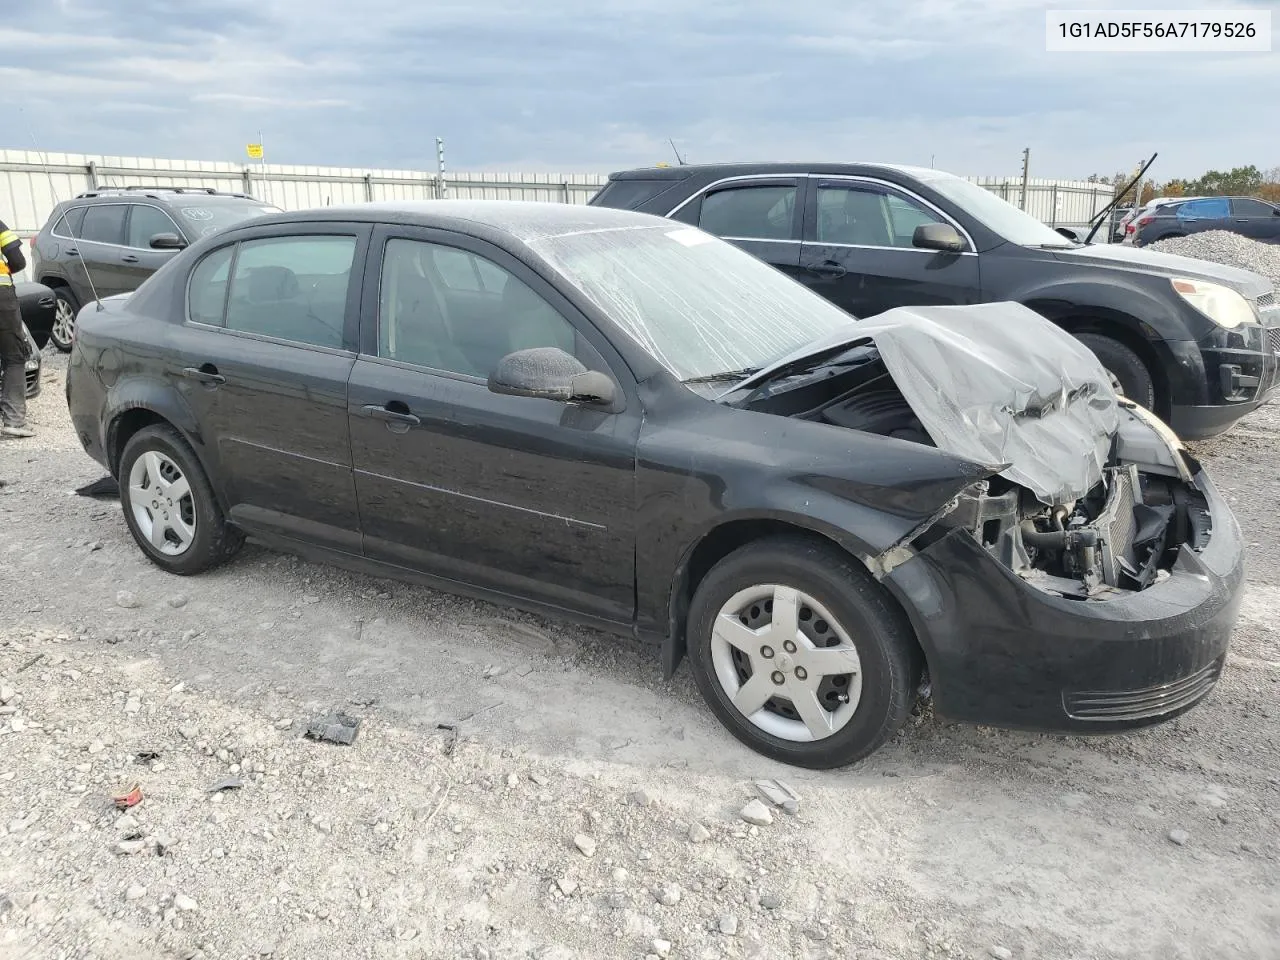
[1223,378]
[1004,653]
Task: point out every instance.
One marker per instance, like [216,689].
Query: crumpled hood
[1121,256]
[997,384]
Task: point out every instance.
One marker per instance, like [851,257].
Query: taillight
[1144,221]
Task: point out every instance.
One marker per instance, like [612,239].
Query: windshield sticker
[690,237]
[197,213]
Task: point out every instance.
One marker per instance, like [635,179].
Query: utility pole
[442,188]
[1026,169]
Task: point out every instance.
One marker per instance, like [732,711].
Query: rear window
[630,194]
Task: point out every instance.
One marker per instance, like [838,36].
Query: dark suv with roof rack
[109,240]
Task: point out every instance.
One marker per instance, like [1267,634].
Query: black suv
[108,241]
[1196,342]
[1247,216]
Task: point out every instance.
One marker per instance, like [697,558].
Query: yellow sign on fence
[254,150]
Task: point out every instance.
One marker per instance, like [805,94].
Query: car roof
[527,220]
[771,167]
[162,194]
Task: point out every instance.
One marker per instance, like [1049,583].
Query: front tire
[1124,366]
[64,319]
[800,654]
[169,504]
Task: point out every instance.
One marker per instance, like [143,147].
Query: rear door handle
[390,416]
[129,258]
[206,374]
[72,252]
[828,268]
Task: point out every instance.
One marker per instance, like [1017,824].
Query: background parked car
[1247,216]
[117,237]
[1194,341]
[37,304]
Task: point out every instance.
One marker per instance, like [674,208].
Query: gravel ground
[587,809]
[1222,246]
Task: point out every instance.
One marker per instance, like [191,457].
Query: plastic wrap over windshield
[999,384]
[700,306]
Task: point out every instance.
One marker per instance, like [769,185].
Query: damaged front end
[1124,535]
[1092,497]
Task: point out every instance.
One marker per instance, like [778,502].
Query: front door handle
[208,374]
[129,258]
[827,268]
[390,416]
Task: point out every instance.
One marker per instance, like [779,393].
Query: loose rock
[699,834]
[662,948]
[728,925]
[127,848]
[1179,837]
[644,798]
[177,601]
[757,813]
[585,845]
[1000,953]
[184,903]
[567,886]
[7,693]
[668,895]
[135,892]
[127,600]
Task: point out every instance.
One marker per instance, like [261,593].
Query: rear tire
[819,717]
[64,322]
[1123,365]
[169,504]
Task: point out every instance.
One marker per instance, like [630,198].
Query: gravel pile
[1230,249]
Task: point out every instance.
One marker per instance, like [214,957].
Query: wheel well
[713,548]
[124,427]
[1114,328]
[53,283]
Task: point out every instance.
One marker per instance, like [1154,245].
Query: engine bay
[1122,536]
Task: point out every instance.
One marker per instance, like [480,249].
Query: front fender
[1137,310]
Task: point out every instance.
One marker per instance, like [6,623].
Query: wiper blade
[724,376]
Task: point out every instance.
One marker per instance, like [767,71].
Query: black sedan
[36,302]
[603,415]
[1196,342]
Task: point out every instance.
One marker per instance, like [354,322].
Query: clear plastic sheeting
[998,384]
[699,305]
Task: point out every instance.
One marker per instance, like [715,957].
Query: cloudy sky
[575,86]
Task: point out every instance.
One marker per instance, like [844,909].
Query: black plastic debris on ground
[335,728]
[103,489]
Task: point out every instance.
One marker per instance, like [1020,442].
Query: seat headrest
[272,283]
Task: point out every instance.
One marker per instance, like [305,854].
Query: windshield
[997,215]
[201,220]
[700,305]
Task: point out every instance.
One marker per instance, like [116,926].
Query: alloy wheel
[64,324]
[162,505]
[785,663]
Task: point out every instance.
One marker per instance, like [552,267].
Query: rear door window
[104,223]
[292,288]
[1211,208]
[752,212]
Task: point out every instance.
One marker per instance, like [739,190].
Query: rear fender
[131,394]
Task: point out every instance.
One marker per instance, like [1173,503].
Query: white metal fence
[32,183]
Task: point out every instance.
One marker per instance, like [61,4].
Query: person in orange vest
[14,347]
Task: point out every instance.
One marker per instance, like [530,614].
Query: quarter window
[145,222]
[867,215]
[448,309]
[104,224]
[71,224]
[750,212]
[291,288]
[208,290]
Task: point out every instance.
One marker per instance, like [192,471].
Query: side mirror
[167,241]
[937,236]
[549,373]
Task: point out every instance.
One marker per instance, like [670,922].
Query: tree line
[1238,182]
